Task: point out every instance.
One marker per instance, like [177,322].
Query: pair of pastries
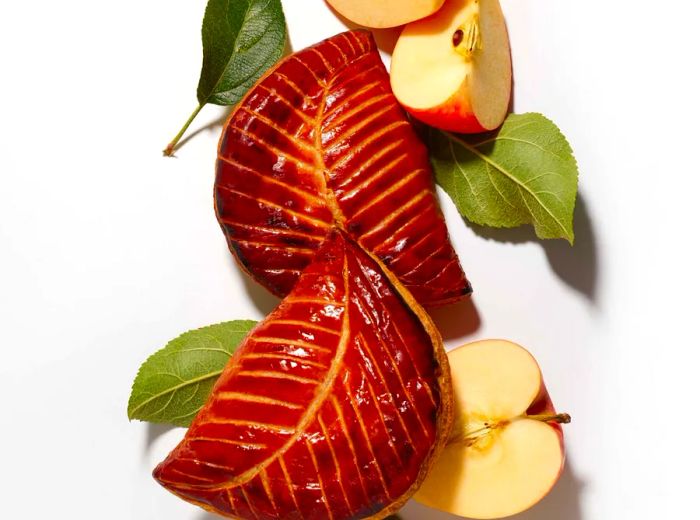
[335,405]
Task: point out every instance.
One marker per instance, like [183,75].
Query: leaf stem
[170,149]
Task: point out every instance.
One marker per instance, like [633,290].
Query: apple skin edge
[543,405]
[454,115]
[457,113]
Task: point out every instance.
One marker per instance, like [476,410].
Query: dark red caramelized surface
[329,410]
[321,142]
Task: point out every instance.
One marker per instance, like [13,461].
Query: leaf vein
[514,179]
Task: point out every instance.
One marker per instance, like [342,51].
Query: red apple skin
[543,405]
[454,115]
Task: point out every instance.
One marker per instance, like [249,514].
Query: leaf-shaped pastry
[333,407]
[320,141]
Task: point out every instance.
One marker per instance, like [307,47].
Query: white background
[108,250]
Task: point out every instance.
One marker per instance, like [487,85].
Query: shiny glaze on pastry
[332,408]
[321,142]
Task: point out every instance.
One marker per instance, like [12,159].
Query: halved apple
[453,69]
[506,450]
[385,13]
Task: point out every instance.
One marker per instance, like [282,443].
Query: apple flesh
[453,69]
[507,449]
[380,14]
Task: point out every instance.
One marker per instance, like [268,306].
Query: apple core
[467,39]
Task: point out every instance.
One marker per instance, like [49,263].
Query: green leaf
[523,173]
[241,40]
[174,383]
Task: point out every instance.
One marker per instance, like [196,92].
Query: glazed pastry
[321,142]
[334,407]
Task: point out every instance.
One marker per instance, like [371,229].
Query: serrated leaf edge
[133,410]
[473,148]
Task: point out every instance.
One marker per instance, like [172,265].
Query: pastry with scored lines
[321,142]
[334,407]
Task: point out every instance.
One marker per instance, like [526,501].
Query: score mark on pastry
[333,407]
[321,142]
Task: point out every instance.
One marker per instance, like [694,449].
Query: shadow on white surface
[563,502]
[214,126]
[457,320]
[263,299]
[154,432]
[575,265]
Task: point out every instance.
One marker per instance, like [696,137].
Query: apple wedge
[506,450]
[453,69]
[380,14]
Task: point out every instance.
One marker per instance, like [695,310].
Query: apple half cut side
[506,450]
[453,70]
[380,14]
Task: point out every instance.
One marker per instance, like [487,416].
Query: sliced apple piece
[506,450]
[453,69]
[385,13]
